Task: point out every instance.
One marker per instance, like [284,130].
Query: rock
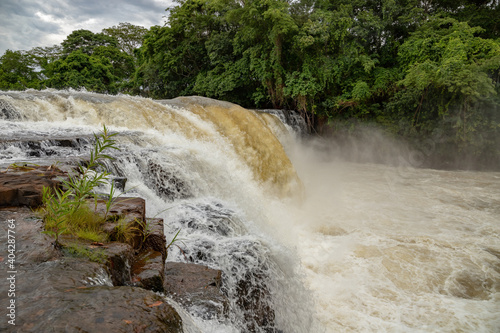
[31,245]
[147,271]
[64,294]
[118,260]
[197,288]
[128,207]
[22,186]
[166,182]
[8,111]
[63,299]
[155,239]
[148,266]
[119,183]
[132,211]
[103,309]
[254,297]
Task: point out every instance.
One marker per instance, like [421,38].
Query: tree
[451,83]
[173,56]
[42,56]
[89,60]
[129,36]
[122,63]
[17,71]
[78,69]
[86,41]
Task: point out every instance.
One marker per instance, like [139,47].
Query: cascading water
[202,165]
[344,248]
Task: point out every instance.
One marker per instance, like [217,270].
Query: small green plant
[145,229]
[82,186]
[22,166]
[57,208]
[112,199]
[66,211]
[174,240]
[126,232]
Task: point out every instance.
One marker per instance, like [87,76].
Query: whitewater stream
[337,246]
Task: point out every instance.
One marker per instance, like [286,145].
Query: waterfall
[318,243]
[208,168]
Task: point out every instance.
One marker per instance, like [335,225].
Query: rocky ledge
[119,287]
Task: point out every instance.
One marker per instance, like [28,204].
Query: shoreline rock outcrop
[57,290]
[117,285]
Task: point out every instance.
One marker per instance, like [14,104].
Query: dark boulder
[197,288]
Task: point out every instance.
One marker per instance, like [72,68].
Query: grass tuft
[80,251]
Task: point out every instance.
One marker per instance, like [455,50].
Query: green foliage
[97,62]
[67,211]
[82,251]
[86,42]
[79,70]
[105,70]
[129,36]
[447,64]
[174,240]
[408,65]
[145,229]
[56,208]
[82,185]
[42,56]
[17,71]
[126,232]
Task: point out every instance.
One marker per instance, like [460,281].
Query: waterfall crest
[209,168]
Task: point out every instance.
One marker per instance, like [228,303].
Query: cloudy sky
[25,24]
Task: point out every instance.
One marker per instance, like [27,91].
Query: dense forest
[420,69]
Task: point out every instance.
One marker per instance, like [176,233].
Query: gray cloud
[25,24]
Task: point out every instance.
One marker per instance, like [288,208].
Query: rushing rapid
[337,246]
[397,249]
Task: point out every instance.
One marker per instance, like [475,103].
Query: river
[340,246]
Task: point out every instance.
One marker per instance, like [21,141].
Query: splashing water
[344,248]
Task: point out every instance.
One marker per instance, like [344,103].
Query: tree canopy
[411,66]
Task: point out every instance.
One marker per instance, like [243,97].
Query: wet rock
[64,294]
[65,298]
[155,237]
[107,309]
[254,297]
[62,149]
[247,280]
[147,271]
[128,207]
[212,218]
[119,183]
[128,211]
[166,182]
[8,112]
[197,288]
[291,118]
[23,185]
[118,260]
[31,245]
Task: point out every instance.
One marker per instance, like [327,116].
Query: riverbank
[114,286]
